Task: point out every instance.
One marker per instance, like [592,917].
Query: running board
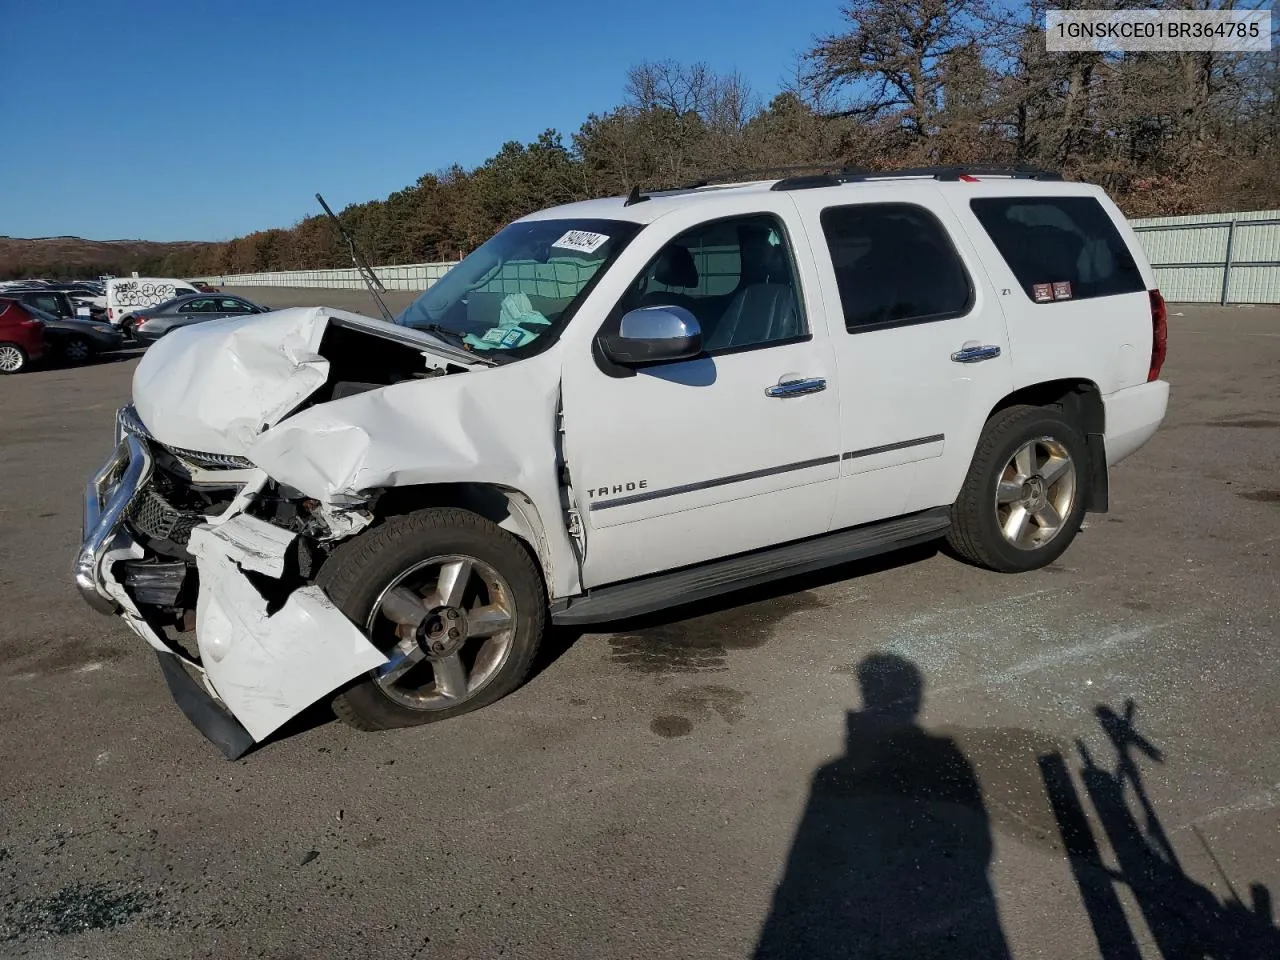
[659,591]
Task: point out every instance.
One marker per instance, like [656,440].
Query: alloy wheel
[447,624]
[12,359]
[1035,493]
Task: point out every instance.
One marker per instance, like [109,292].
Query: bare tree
[891,59]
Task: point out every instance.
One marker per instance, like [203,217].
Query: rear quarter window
[1059,248]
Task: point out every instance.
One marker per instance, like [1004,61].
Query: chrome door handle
[976,354]
[796,388]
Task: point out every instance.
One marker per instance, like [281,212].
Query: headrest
[676,268]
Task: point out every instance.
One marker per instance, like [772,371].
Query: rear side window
[47,302]
[894,265]
[1059,248]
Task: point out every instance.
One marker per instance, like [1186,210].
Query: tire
[374,572]
[77,350]
[986,527]
[13,359]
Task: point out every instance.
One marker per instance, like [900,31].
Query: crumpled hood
[217,386]
[497,428]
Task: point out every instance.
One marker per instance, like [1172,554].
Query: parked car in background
[152,323]
[21,337]
[204,287]
[76,339]
[127,295]
[58,302]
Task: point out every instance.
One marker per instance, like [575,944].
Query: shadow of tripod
[1185,918]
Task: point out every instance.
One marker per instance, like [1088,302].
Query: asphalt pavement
[908,757]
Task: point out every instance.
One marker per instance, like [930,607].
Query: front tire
[456,603]
[1022,502]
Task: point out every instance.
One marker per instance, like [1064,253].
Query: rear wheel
[77,350]
[13,359]
[455,602]
[1022,502]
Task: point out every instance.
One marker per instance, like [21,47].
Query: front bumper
[107,496]
[260,665]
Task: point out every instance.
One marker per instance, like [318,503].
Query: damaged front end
[177,541]
[252,448]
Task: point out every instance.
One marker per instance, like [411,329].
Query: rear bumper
[105,342]
[1133,416]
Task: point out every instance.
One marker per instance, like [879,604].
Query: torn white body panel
[268,667]
[495,426]
[254,544]
[126,548]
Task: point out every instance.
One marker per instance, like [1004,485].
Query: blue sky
[190,119]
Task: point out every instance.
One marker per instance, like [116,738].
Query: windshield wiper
[362,265]
[444,333]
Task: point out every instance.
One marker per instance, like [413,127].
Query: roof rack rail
[947,173]
[729,176]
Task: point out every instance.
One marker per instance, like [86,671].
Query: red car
[21,337]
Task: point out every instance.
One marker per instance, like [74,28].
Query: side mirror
[653,334]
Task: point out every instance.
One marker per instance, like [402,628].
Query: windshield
[523,284]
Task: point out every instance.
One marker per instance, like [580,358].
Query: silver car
[149,324]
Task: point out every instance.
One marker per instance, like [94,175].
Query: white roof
[660,203]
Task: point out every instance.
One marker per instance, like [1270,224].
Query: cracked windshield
[520,285]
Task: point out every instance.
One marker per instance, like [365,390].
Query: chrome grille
[151,514]
[128,421]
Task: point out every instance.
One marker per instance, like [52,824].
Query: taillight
[1159,334]
[111,313]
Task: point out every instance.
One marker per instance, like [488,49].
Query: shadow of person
[892,852]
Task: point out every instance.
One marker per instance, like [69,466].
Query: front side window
[894,265]
[233,306]
[1059,248]
[514,293]
[735,276]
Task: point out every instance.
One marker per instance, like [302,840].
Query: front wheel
[455,602]
[1022,502]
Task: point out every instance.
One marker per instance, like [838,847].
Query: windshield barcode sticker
[582,240]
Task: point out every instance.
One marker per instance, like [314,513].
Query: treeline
[905,83]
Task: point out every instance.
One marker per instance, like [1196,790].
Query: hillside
[67,257]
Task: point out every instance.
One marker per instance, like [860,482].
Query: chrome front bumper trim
[106,498]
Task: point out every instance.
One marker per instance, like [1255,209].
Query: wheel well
[508,508]
[1081,402]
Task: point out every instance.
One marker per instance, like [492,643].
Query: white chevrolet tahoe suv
[613,407]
